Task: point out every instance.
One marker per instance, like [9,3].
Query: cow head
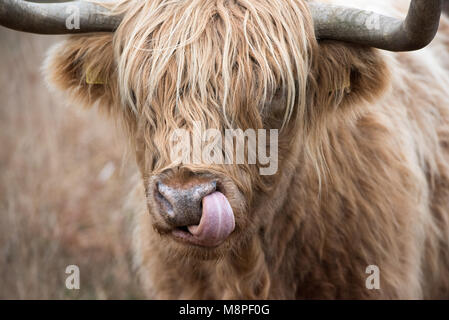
[239,64]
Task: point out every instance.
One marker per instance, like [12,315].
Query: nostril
[200,191]
[161,197]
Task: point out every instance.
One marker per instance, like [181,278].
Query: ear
[345,78]
[84,67]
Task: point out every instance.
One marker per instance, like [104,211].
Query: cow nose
[181,207]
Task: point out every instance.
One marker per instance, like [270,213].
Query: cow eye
[275,102]
[277,95]
[133,97]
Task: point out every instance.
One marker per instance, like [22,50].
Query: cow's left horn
[57,18]
[379,31]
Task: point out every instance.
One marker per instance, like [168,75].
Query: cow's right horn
[57,18]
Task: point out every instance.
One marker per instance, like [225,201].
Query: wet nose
[180,206]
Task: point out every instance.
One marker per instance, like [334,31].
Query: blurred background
[64,181]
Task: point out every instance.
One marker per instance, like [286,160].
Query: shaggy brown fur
[364,147]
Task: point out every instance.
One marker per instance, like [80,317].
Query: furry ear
[84,67]
[344,78]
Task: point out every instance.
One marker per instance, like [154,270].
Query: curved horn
[56,18]
[375,30]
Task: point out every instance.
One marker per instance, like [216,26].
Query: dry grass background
[63,185]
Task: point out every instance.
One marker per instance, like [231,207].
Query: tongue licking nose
[217,221]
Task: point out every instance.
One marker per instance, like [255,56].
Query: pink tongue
[217,221]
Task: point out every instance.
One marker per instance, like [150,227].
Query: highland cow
[363,172]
